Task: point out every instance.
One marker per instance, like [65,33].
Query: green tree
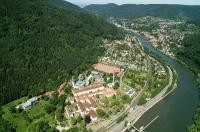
[87,119]
[116,86]
[42,45]
[101,113]
[125,123]
[73,121]
[50,108]
[79,119]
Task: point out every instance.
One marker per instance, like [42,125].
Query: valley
[99,68]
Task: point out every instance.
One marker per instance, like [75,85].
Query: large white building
[29,103]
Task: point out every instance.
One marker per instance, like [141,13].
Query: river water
[178,108]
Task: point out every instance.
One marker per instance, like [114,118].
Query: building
[26,105]
[87,80]
[78,84]
[93,116]
[69,112]
[33,100]
[29,103]
[84,108]
[86,100]
[131,93]
[92,89]
[97,78]
[70,100]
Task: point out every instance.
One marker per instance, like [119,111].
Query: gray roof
[32,99]
[26,104]
[80,83]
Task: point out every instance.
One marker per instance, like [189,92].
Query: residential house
[93,116]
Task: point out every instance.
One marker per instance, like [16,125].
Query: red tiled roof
[93,114]
[81,97]
[92,103]
[89,105]
[82,106]
[87,88]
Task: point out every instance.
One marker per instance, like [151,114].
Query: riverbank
[136,113]
[182,103]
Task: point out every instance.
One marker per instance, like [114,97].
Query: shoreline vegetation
[164,63]
[170,87]
[140,110]
[195,126]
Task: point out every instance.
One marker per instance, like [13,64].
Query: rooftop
[94,86]
[93,114]
[33,99]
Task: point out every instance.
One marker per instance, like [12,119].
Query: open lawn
[133,77]
[26,121]
[112,105]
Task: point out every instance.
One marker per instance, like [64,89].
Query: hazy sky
[184,2]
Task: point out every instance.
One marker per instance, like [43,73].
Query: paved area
[138,111]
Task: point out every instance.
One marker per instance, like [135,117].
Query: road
[105,125]
[138,111]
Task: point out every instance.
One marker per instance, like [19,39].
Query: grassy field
[112,105]
[133,77]
[26,121]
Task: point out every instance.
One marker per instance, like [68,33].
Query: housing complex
[87,90]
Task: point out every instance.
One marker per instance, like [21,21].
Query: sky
[182,2]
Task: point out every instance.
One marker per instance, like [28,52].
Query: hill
[64,5]
[189,13]
[43,44]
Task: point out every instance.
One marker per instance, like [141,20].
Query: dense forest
[189,13]
[190,54]
[43,44]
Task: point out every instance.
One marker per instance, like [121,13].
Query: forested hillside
[190,54]
[64,5]
[41,45]
[189,13]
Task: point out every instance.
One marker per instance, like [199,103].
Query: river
[178,108]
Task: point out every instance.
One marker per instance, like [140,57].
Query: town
[124,77]
[164,34]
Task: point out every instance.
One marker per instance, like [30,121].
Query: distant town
[164,34]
